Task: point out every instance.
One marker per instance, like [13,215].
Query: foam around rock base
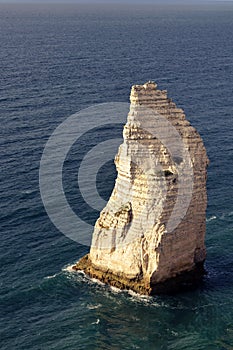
[187,280]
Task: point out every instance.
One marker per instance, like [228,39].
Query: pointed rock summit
[150,237]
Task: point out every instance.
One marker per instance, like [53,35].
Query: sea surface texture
[56,60]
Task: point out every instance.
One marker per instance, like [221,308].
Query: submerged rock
[150,237]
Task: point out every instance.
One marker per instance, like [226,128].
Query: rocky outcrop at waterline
[150,237]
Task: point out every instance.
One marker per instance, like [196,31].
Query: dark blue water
[55,61]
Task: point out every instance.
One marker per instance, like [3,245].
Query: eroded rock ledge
[150,237]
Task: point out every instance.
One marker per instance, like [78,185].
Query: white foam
[94,280]
[211,218]
[97,321]
[93,307]
[115,290]
[68,268]
[49,277]
[28,192]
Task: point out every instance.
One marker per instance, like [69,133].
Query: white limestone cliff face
[153,226]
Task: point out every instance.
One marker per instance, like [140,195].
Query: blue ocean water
[55,61]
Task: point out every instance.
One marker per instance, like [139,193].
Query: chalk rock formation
[150,237]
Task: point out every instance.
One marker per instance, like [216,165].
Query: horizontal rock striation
[150,237]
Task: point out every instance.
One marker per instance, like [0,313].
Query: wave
[140,298]
[80,273]
[93,307]
[226,215]
[97,321]
[94,280]
[50,277]
[105,288]
[68,268]
[222,216]
[211,218]
[27,192]
[115,289]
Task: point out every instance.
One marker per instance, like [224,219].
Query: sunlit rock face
[150,237]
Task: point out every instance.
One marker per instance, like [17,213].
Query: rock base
[184,281]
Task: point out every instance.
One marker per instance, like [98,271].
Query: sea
[57,60]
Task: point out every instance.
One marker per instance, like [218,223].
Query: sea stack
[150,237]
